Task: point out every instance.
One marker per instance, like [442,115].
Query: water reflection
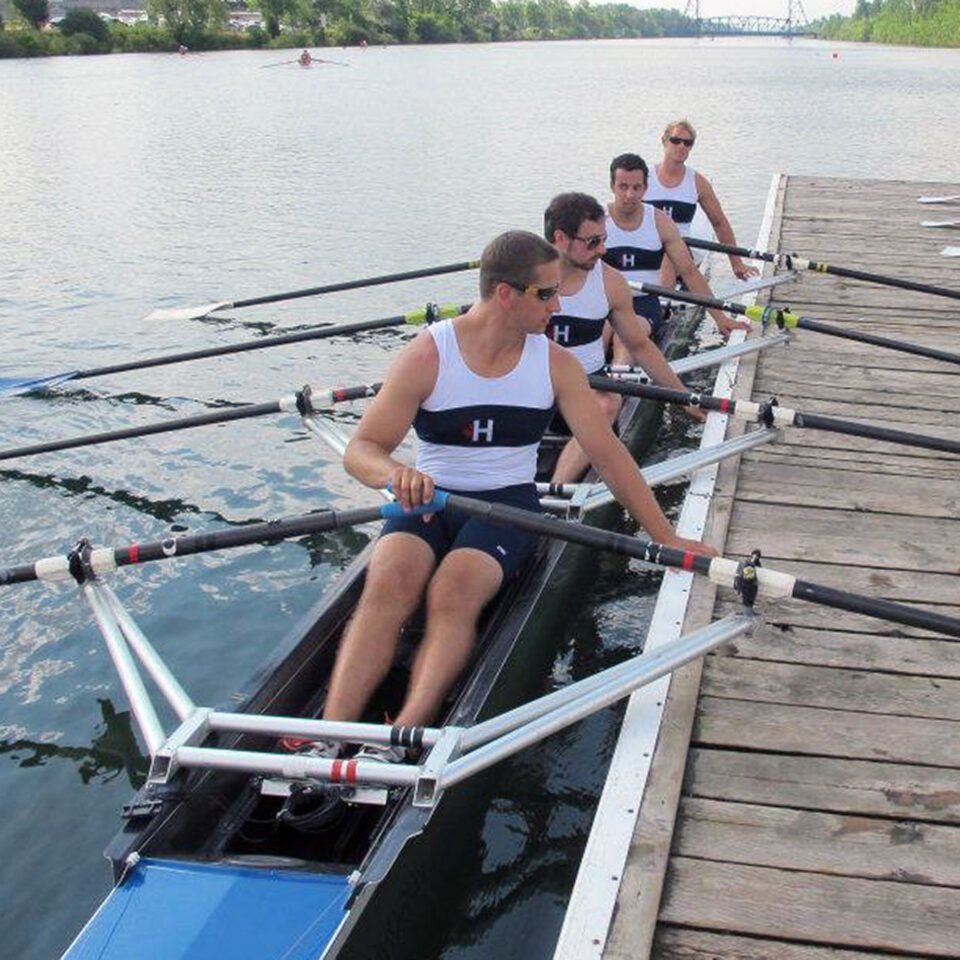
[113,751]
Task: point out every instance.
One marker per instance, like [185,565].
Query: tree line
[930,23]
[201,24]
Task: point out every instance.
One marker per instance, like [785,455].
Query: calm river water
[132,182]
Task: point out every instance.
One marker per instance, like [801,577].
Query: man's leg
[465,582]
[397,576]
[573,462]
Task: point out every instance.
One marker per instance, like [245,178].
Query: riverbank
[936,23]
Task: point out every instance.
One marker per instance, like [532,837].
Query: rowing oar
[15,385]
[306,402]
[84,560]
[771,414]
[793,261]
[195,313]
[787,320]
[950,199]
[750,580]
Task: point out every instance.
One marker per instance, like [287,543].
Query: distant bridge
[795,24]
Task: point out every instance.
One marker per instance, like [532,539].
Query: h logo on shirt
[560,334]
[482,430]
[627,260]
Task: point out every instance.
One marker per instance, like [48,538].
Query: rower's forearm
[656,366]
[631,490]
[369,463]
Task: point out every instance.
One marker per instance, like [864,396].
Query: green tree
[189,19]
[84,20]
[35,12]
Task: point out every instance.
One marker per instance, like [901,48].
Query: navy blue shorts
[451,529]
[649,306]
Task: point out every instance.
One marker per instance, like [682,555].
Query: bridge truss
[795,23]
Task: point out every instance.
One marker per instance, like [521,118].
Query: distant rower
[305,59]
[677,189]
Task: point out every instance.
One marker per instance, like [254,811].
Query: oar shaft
[314,333]
[772,414]
[105,559]
[786,319]
[794,261]
[358,284]
[850,428]
[720,570]
[872,607]
[181,423]
[305,402]
[932,353]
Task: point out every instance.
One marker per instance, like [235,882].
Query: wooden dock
[804,798]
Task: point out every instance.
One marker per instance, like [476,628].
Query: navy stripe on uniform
[483,425]
[679,211]
[574,331]
[633,258]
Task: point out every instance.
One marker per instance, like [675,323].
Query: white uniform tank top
[481,433]
[579,324]
[679,202]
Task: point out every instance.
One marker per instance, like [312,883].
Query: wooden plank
[922,543]
[818,440]
[811,907]
[811,486]
[751,725]
[680,943]
[900,790]
[874,848]
[873,461]
[863,691]
[857,651]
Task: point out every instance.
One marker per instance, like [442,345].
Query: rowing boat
[219,863]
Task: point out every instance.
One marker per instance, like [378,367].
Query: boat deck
[804,801]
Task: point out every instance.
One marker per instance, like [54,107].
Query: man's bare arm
[607,454]
[368,456]
[710,203]
[687,270]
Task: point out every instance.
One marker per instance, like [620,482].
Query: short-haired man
[479,390]
[592,293]
[642,241]
[677,189]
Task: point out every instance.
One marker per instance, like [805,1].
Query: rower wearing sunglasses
[643,243]
[677,189]
[591,294]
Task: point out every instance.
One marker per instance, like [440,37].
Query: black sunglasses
[545,294]
[591,243]
[686,141]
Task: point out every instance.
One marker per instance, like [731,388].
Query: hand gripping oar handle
[85,560]
[719,570]
[793,261]
[772,414]
[787,320]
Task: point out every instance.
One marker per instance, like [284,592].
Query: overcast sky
[770,8]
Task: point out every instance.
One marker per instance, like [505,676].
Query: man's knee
[609,403]
[398,572]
